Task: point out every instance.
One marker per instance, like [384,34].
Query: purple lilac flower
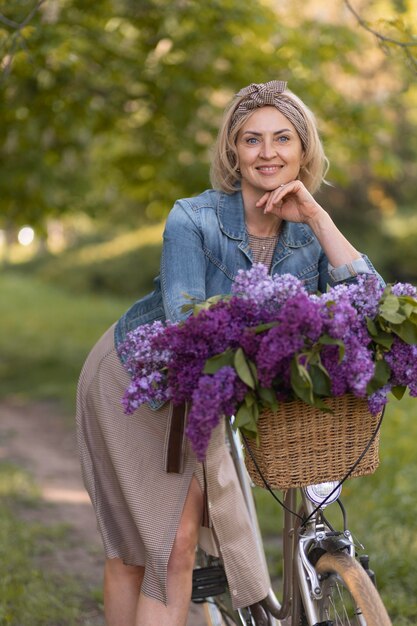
[343,310]
[363,295]
[200,337]
[366,292]
[144,361]
[267,292]
[255,284]
[330,360]
[354,372]
[339,316]
[299,325]
[402,359]
[146,388]
[166,362]
[216,395]
[404,289]
[359,367]
[139,352]
[378,399]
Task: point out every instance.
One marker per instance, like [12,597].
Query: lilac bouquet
[269,342]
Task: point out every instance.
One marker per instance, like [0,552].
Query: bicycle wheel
[349,597]
[214,616]
[218,612]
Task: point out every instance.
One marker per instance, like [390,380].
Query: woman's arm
[292,202]
[183,262]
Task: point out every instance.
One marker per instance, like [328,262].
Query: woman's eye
[283,139]
[252,140]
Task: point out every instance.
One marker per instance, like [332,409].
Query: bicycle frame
[300,582]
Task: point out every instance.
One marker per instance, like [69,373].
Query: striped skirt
[138,504]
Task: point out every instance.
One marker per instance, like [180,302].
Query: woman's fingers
[264,199]
[275,198]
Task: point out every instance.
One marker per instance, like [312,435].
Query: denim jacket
[205,244]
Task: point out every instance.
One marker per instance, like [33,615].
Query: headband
[258,95]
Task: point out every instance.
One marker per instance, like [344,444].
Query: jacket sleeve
[183,262]
[347,273]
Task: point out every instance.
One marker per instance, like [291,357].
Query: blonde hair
[224,173]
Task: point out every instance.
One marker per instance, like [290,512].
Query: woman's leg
[121,592]
[180,569]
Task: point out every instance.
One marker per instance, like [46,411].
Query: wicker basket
[301,445]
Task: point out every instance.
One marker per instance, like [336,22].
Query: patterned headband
[263,94]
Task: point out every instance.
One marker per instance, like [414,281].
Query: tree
[111,108]
[398,33]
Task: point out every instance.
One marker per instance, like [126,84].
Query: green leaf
[262,327]
[207,304]
[408,300]
[246,419]
[187,307]
[379,336]
[243,416]
[242,368]
[408,309]
[321,404]
[326,340]
[372,328]
[249,399]
[214,363]
[320,379]
[398,391]
[301,382]
[254,371]
[394,317]
[268,397]
[250,434]
[384,339]
[380,377]
[407,331]
[389,310]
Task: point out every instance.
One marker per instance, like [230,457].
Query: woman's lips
[269,169]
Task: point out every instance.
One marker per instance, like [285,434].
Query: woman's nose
[268,150]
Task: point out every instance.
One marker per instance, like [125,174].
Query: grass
[29,593]
[46,334]
[123,266]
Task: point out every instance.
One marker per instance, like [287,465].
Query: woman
[268,161]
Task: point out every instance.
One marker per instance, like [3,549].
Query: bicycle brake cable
[265,482]
[352,469]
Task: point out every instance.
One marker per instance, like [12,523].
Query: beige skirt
[138,504]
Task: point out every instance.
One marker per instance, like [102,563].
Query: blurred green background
[107,116]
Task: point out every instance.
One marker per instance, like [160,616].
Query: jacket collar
[231,216]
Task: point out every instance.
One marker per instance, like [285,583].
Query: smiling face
[269,152]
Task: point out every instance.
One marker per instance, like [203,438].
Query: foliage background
[109,110]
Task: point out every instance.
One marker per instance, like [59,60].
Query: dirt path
[42,441]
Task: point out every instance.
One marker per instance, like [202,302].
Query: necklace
[275,235]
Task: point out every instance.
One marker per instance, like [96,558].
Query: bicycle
[324,582]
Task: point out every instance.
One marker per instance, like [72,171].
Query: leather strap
[175,439]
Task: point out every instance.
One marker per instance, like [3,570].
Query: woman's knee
[116,568]
[183,551]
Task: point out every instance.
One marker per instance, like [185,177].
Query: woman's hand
[291,202]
